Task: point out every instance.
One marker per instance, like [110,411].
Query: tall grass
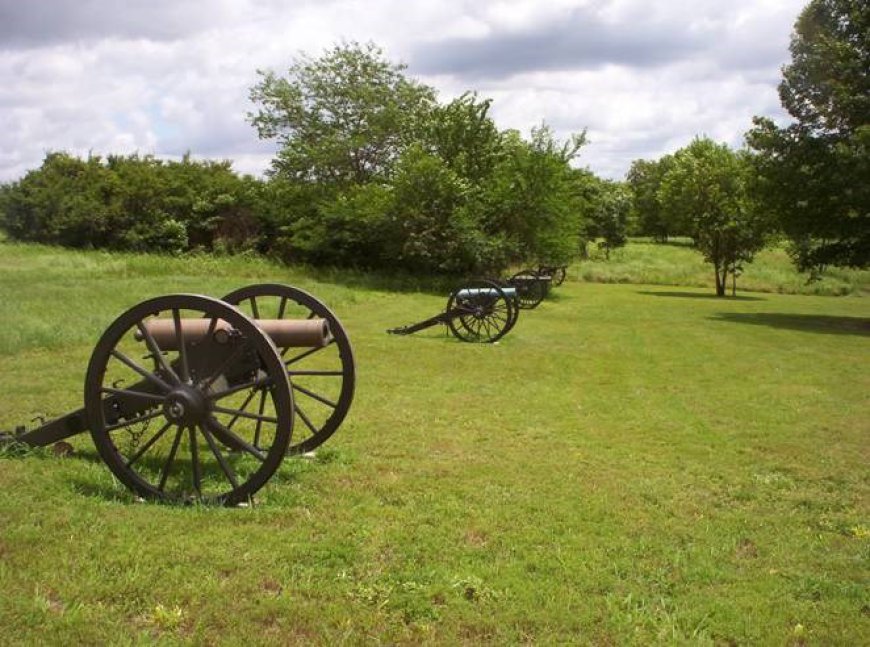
[645,262]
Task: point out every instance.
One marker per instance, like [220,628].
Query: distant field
[633,464]
[677,264]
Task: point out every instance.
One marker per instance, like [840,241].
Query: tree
[608,215]
[533,198]
[707,187]
[340,119]
[465,137]
[644,178]
[813,173]
[132,202]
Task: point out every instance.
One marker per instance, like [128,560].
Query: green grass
[650,263]
[631,465]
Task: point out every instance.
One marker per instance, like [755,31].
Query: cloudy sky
[167,76]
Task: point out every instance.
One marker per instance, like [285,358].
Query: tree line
[373,171]
[808,181]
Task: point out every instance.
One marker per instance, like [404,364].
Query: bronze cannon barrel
[302,333]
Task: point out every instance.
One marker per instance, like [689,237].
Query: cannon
[531,288]
[191,398]
[478,311]
[556,273]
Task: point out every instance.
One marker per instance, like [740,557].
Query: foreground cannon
[478,311]
[193,398]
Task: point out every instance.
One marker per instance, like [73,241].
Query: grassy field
[649,263]
[633,464]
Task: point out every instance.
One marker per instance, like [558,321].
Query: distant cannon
[478,311]
[531,288]
[228,384]
[556,273]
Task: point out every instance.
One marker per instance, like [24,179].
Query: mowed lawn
[630,465]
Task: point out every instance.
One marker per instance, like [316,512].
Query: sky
[164,77]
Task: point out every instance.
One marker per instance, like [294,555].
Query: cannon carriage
[480,311]
[556,273]
[190,398]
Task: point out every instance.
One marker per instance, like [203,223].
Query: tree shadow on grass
[825,324]
[699,295]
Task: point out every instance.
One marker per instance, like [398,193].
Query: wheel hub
[184,405]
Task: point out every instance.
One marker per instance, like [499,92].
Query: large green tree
[707,187]
[814,174]
[342,118]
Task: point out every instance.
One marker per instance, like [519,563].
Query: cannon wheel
[514,299]
[531,290]
[483,318]
[322,379]
[186,396]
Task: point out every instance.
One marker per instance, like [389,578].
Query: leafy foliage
[372,172]
[402,181]
[644,179]
[707,188]
[813,173]
[133,203]
[342,118]
[609,216]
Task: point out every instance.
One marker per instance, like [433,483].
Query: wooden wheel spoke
[242,408]
[147,445]
[236,440]
[156,352]
[259,426]
[148,375]
[167,467]
[182,349]
[245,414]
[312,394]
[305,419]
[153,397]
[134,421]
[307,353]
[225,467]
[256,385]
[320,373]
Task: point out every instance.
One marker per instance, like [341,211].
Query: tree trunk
[720,279]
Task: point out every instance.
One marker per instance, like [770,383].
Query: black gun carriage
[533,285]
[556,273]
[190,398]
[530,286]
[480,311]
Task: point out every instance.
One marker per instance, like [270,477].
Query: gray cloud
[583,40]
[165,77]
[34,23]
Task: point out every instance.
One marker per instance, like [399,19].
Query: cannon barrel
[488,292]
[301,333]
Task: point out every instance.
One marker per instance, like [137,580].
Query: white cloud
[164,77]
